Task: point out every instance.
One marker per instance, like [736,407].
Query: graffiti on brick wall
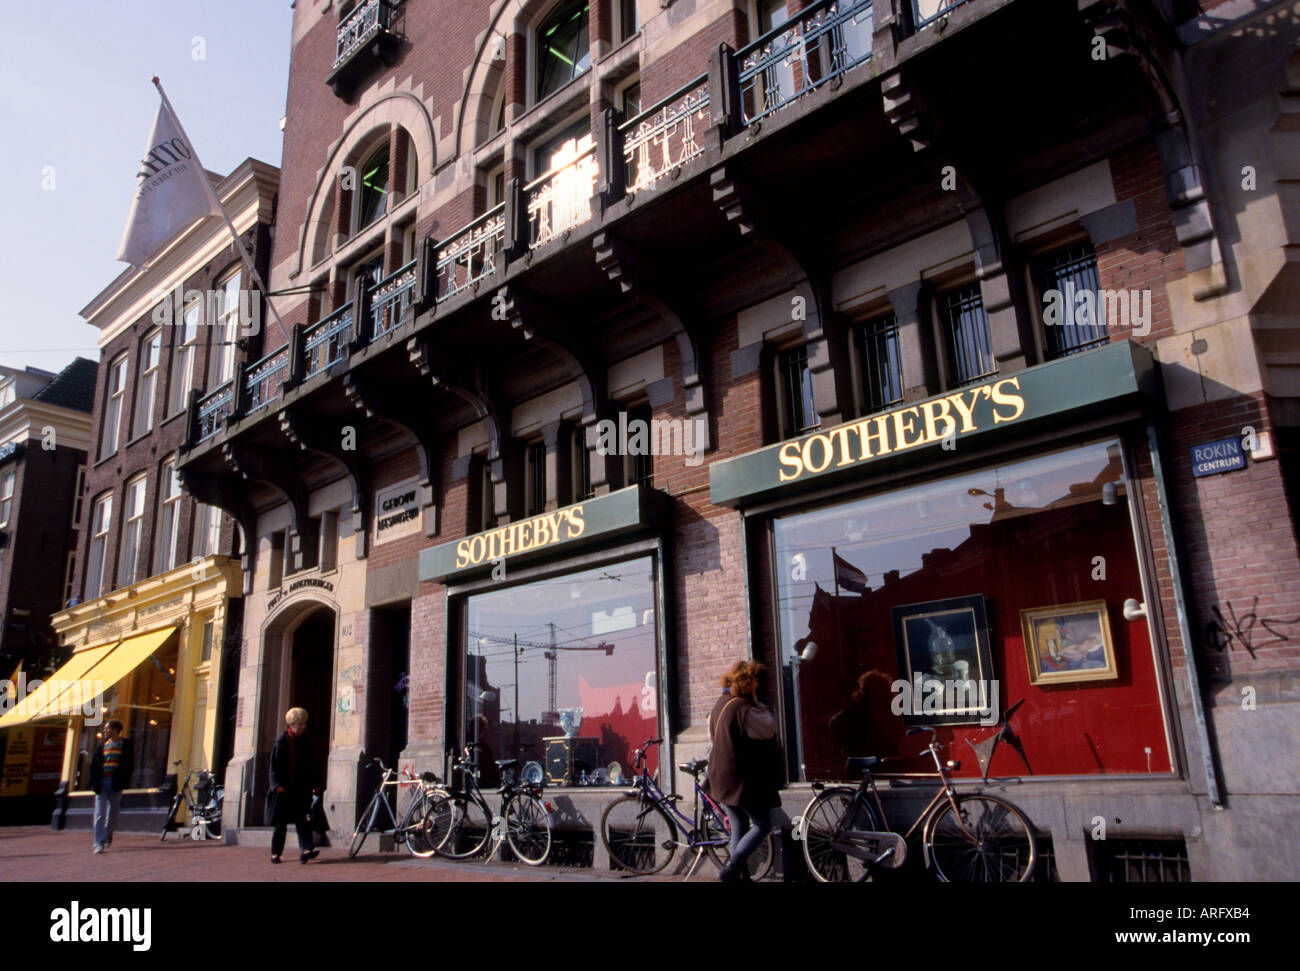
[1227,629]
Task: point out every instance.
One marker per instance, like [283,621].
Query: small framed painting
[1066,643]
[945,663]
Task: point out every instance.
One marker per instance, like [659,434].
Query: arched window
[373,195]
[562,51]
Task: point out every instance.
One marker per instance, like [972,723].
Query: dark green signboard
[1106,379]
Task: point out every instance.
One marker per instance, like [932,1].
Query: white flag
[172,192]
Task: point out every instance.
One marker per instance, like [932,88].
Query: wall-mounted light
[1133,610]
[1110,492]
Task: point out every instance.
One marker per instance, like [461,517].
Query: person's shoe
[99,847]
[275,859]
[309,855]
[728,875]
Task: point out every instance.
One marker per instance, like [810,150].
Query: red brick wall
[1239,545]
[1149,258]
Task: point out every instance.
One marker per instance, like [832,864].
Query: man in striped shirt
[110,771]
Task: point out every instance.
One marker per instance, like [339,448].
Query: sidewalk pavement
[31,854]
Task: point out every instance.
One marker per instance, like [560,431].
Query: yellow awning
[39,703]
[128,656]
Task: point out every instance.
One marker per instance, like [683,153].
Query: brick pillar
[557,437]
[399,158]
[916,343]
[516,75]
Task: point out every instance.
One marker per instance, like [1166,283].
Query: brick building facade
[840,246]
[156,591]
[44,437]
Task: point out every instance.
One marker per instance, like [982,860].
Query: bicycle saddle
[861,764]
[504,764]
[695,767]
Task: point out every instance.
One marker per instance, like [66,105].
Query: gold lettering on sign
[521,537]
[924,423]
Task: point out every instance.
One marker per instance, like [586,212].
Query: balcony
[789,136]
[366,38]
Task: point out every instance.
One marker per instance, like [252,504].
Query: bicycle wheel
[364,826]
[831,813]
[528,829]
[985,840]
[760,861]
[419,827]
[638,835]
[460,826]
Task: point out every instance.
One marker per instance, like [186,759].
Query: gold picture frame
[1069,643]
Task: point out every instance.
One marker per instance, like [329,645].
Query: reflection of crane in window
[551,651]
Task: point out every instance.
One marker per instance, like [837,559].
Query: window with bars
[970,345]
[882,364]
[798,409]
[581,466]
[536,477]
[1061,277]
[641,463]
[1140,861]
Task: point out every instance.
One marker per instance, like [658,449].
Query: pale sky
[76,108]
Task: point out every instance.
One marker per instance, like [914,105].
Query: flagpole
[221,211]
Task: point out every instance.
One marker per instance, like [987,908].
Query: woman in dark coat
[744,764]
[293,781]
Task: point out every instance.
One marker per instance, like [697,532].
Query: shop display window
[1005,583]
[562,674]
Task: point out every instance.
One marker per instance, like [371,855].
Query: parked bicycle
[202,803]
[643,830]
[461,821]
[414,828]
[965,837]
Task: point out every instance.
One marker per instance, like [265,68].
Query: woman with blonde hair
[744,764]
[293,781]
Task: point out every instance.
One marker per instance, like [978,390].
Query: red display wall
[1032,559]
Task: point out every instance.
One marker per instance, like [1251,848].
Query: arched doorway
[311,680]
[298,648]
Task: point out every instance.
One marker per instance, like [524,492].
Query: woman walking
[293,781]
[744,764]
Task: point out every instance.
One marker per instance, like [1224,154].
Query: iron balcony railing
[470,254]
[926,12]
[800,55]
[665,135]
[390,301]
[262,379]
[361,26]
[561,199]
[212,409]
[325,342]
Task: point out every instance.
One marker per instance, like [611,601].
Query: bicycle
[414,827]
[203,804]
[640,831]
[461,821]
[968,837]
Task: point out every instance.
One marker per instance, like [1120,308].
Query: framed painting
[1068,643]
[945,659]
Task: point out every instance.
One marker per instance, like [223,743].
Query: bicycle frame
[394,779]
[925,819]
[645,785]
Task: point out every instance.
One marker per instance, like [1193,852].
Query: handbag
[316,817]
